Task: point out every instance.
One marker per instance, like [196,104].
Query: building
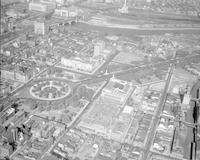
[103,118]
[117,91]
[50,157]
[94,128]
[18,118]
[99,47]
[5,150]
[186,99]
[126,114]
[7,74]
[124,9]
[121,126]
[5,115]
[100,119]
[14,133]
[70,12]
[23,76]
[74,11]
[5,88]
[40,28]
[42,6]
[12,13]
[118,131]
[109,1]
[78,64]
[62,12]
[2,130]
[16,75]
[58,2]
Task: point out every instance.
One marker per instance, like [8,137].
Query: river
[132,32]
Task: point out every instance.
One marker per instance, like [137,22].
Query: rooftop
[116,85]
[128,110]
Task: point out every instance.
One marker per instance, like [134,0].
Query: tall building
[14,134]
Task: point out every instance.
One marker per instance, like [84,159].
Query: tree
[29,144]
[33,106]
[75,101]
[175,109]
[53,118]
[49,108]
[89,94]
[6,158]
[118,154]
[41,108]
[130,101]
[81,91]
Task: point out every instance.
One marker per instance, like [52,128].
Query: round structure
[50,89]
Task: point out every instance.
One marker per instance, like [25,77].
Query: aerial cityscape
[100,80]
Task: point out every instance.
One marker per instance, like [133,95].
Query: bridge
[67,21]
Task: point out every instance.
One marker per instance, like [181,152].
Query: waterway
[190,119]
[131,32]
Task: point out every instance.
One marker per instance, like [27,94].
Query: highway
[158,112]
